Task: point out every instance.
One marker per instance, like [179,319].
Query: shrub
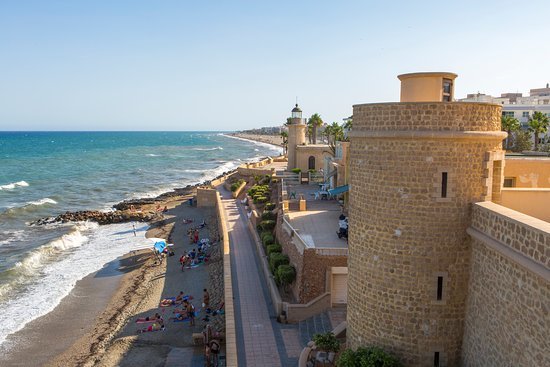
[267,215]
[296,170]
[260,199]
[235,185]
[277,259]
[270,206]
[275,247]
[268,239]
[367,357]
[285,275]
[267,225]
[327,342]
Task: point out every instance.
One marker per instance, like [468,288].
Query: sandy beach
[268,139]
[95,324]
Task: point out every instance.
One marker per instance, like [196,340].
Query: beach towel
[185,298]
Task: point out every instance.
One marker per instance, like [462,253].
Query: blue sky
[229,65]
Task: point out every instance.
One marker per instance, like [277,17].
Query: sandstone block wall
[404,234]
[507,321]
[206,197]
[311,269]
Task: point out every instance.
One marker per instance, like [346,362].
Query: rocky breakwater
[117,216]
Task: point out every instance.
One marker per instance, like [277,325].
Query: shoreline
[276,140]
[90,318]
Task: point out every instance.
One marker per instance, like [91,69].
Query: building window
[525,114]
[443,184]
[436,359]
[508,113]
[447,90]
[509,182]
[311,162]
[439,288]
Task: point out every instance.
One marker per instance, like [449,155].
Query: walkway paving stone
[257,344]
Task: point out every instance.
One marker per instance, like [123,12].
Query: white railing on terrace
[300,244]
[329,251]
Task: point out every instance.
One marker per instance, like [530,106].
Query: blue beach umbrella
[160,246]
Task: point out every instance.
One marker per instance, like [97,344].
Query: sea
[43,174]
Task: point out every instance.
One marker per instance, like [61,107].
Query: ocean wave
[43,201]
[29,206]
[12,236]
[45,280]
[152,155]
[13,185]
[207,149]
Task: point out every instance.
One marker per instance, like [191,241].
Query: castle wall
[507,321]
[311,268]
[404,234]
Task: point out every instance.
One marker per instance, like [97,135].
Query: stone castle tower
[296,135]
[416,168]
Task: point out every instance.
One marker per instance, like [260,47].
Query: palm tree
[509,124]
[284,135]
[315,121]
[538,124]
[336,133]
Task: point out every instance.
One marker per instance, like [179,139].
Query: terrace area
[316,226]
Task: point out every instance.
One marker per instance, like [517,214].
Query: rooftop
[318,224]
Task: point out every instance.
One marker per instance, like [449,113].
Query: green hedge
[296,170]
[285,275]
[267,239]
[235,185]
[267,225]
[267,215]
[367,357]
[277,259]
[270,206]
[275,247]
[261,199]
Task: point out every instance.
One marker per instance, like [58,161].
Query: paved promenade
[261,341]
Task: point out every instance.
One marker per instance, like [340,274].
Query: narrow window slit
[436,359]
[443,184]
[439,288]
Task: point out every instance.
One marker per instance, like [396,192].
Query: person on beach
[196,236]
[156,326]
[183,261]
[190,312]
[215,351]
[179,297]
[150,318]
[134,228]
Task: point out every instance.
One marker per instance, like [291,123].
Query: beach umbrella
[160,246]
[155,240]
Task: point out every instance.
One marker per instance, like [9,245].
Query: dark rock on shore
[118,216]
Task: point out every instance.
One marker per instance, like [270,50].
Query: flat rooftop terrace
[318,224]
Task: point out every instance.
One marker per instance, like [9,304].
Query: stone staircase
[317,324]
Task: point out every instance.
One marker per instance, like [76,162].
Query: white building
[515,104]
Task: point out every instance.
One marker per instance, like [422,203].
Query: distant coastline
[268,139]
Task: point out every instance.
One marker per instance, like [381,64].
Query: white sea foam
[153,155]
[13,185]
[41,202]
[207,149]
[70,259]
[12,236]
